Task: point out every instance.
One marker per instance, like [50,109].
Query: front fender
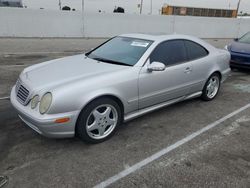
[75,96]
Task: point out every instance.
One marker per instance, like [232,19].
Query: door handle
[188,70]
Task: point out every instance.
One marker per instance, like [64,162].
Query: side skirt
[141,112]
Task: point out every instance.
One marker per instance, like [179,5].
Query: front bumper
[45,124]
[241,65]
[239,60]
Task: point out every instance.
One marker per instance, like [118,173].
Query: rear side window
[195,51]
[170,53]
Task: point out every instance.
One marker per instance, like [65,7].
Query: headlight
[34,101]
[45,103]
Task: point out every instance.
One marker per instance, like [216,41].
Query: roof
[213,4]
[16,1]
[158,38]
[11,3]
[142,36]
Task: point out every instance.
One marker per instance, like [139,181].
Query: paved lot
[220,157]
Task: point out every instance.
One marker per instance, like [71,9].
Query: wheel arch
[111,96]
[203,96]
[217,72]
[210,74]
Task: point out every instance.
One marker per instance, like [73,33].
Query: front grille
[22,93]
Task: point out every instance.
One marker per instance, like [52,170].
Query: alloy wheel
[102,121]
[213,87]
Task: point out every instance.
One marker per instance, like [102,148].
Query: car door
[198,56]
[159,86]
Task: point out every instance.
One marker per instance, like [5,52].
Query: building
[11,3]
[198,11]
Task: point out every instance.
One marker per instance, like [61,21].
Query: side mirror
[156,66]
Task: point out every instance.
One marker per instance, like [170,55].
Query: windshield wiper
[110,61]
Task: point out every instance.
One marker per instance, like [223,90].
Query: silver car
[90,95]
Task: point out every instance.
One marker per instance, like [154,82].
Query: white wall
[16,22]
[107,25]
[244,24]
[207,27]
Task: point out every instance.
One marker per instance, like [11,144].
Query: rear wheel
[99,120]
[211,87]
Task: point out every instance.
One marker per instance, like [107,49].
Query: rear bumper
[45,124]
[225,74]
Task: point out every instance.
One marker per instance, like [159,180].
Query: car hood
[240,47]
[65,70]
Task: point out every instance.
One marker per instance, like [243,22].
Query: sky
[131,5]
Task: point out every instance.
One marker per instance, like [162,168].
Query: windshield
[121,50]
[245,38]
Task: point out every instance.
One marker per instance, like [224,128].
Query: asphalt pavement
[216,157]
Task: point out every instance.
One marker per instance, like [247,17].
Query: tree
[6,3]
[66,8]
[119,10]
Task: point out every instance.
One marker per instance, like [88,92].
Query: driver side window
[170,53]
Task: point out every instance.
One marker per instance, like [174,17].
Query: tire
[99,120]
[209,91]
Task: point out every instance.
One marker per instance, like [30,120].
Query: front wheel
[99,120]
[211,87]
